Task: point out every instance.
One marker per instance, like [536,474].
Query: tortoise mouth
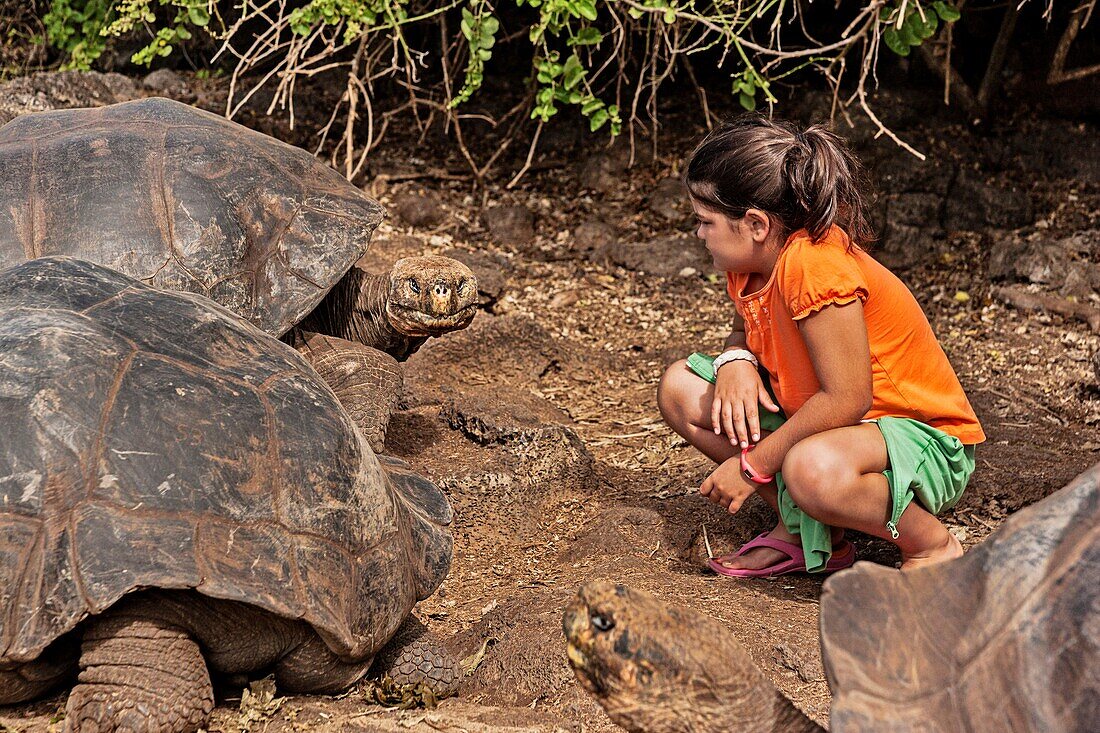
[412,321]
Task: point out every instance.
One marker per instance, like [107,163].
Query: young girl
[826,336]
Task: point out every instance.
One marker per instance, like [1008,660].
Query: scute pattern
[196,203]
[153,439]
[1005,638]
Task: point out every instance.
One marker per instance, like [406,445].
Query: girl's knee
[673,389]
[815,473]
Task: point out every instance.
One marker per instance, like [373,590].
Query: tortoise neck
[355,310]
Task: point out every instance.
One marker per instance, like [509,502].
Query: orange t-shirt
[911,375]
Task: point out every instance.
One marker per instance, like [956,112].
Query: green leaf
[908,37]
[490,25]
[591,106]
[598,120]
[893,41]
[484,54]
[574,72]
[947,13]
[635,13]
[588,36]
[467,29]
[586,9]
[198,16]
[486,41]
[885,13]
[670,16]
[747,101]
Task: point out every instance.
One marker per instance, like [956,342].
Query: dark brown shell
[1005,639]
[153,439]
[180,198]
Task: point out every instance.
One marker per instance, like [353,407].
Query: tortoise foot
[139,675]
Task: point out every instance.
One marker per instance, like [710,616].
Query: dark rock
[423,209]
[510,226]
[903,246]
[602,172]
[1096,366]
[492,270]
[915,209]
[593,235]
[1060,148]
[165,82]
[49,90]
[894,169]
[669,201]
[974,204]
[1036,259]
[663,256]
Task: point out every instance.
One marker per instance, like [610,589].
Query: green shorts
[924,463]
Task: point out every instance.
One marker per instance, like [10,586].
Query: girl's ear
[760,225]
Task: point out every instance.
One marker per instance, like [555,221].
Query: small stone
[669,202]
[423,209]
[592,235]
[164,81]
[510,226]
[688,272]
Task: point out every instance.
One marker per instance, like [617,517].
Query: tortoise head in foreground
[659,668]
[430,295]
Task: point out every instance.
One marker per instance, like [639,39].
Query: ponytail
[806,179]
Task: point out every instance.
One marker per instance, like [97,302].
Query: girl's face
[729,241]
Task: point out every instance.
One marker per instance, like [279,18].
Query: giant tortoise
[1004,639]
[183,199]
[180,493]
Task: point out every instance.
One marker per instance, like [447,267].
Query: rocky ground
[540,421]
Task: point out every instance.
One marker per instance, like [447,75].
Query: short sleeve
[814,275]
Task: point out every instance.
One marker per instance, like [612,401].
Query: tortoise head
[655,667]
[618,643]
[431,295]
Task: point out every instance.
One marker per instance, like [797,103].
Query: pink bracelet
[750,473]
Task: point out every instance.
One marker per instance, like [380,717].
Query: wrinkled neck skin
[704,707]
[355,310]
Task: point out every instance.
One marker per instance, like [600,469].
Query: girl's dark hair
[807,178]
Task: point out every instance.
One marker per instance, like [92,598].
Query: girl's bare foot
[762,557]
[949,550]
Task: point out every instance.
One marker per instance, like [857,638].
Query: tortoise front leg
[139,674]
[366,381]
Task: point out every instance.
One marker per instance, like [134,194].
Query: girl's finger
[734,506]
[753,418]
[739,427]
[727,419]
[715,418]
[706,486]
[766,399]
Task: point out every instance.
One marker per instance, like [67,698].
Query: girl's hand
[727,486]
[737,395]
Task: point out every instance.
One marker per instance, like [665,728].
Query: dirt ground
[540,421]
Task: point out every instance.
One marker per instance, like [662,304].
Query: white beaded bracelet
[734,355]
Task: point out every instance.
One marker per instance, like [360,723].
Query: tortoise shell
[154,439]
[1006,638]
[194,203]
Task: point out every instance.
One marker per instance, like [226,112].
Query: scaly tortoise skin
[1006,638]
[173,479]
[183,199]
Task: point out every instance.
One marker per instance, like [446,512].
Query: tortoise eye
[414,286]
[601,622]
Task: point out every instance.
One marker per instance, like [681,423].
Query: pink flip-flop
[843,557]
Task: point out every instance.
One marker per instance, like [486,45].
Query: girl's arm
[836,339]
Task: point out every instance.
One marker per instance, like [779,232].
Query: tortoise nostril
[442,290]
